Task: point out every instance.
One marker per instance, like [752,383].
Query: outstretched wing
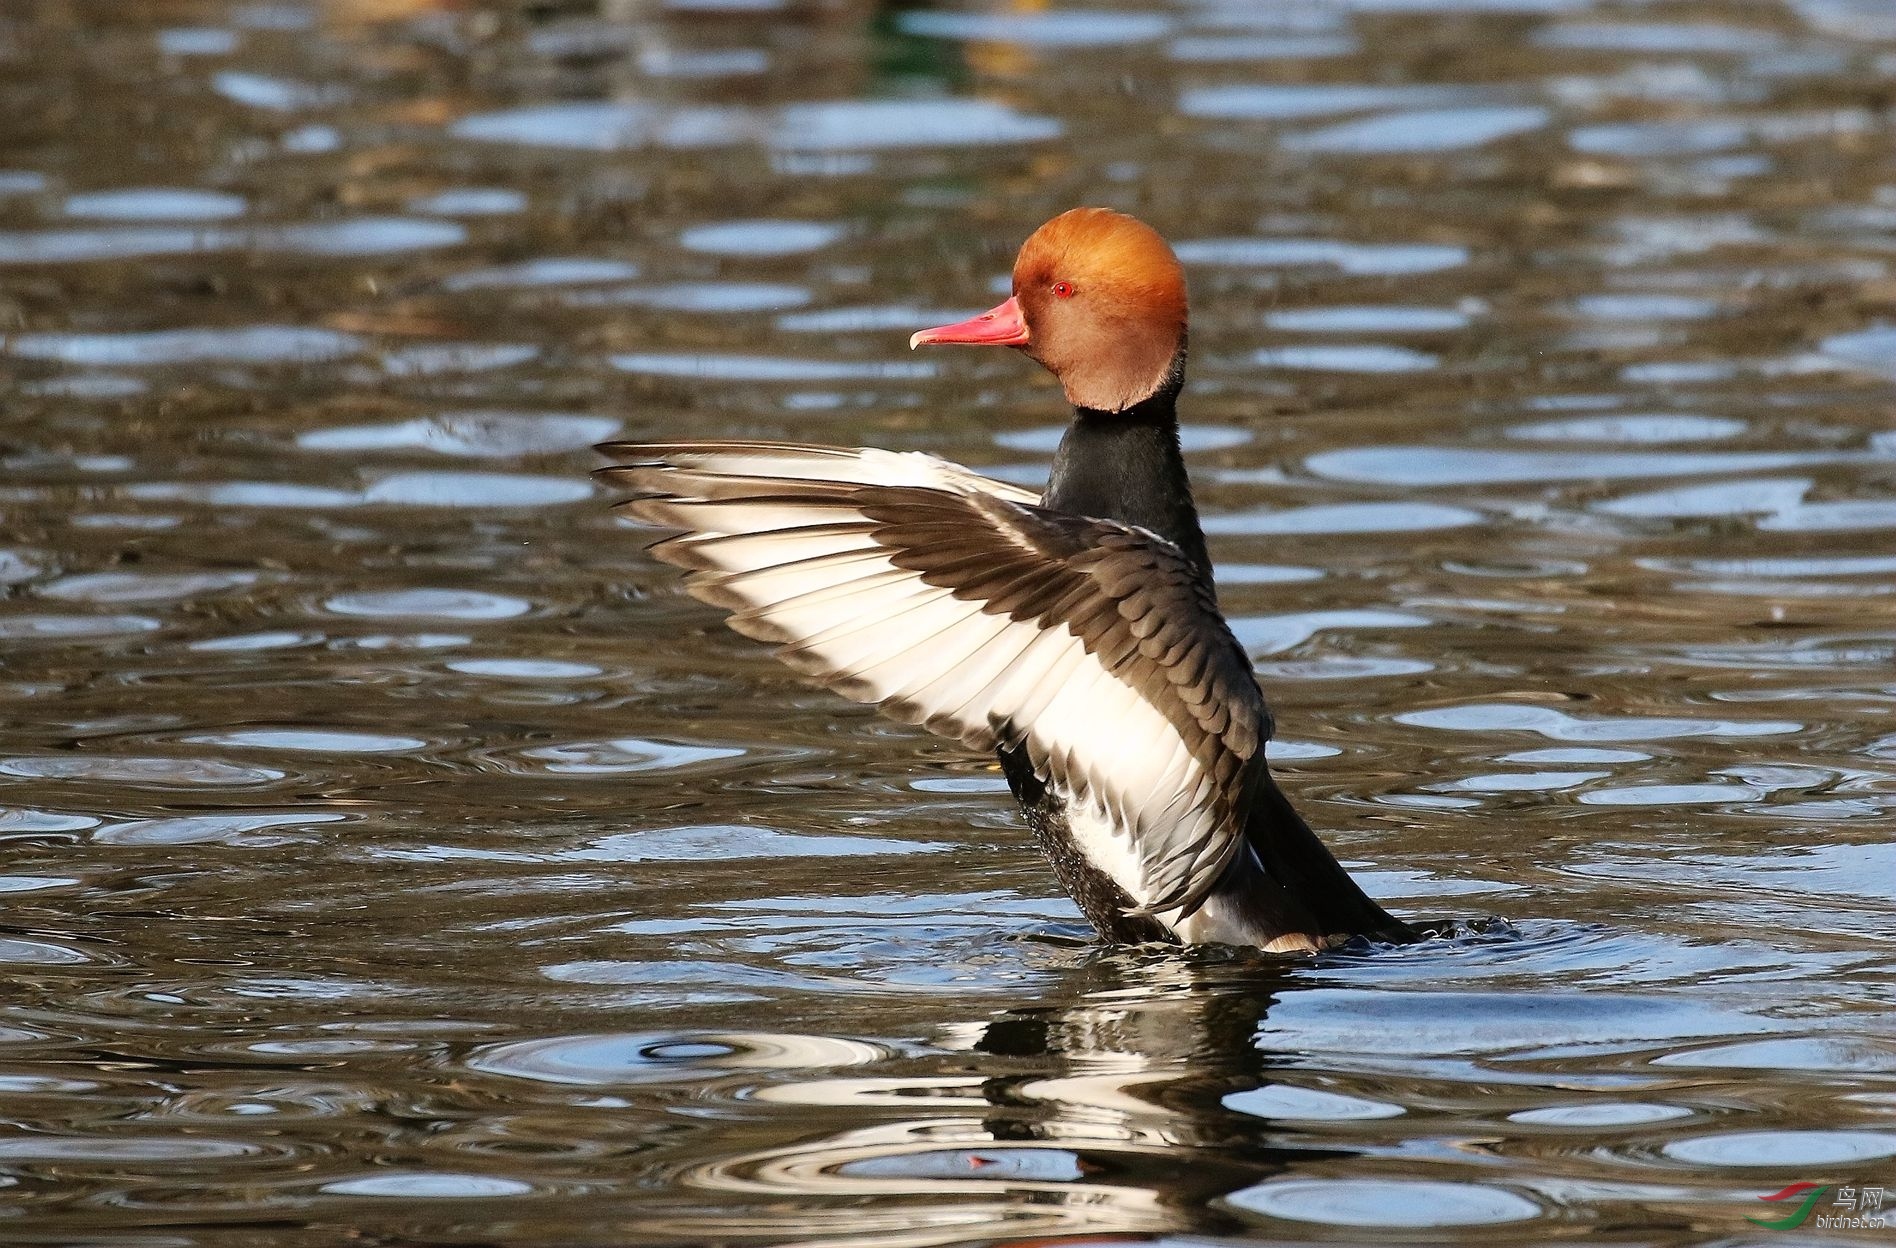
[958,603]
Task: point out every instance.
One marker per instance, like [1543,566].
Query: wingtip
[623,453]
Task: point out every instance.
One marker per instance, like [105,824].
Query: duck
[1075,634]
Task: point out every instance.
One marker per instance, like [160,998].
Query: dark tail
[1294,857]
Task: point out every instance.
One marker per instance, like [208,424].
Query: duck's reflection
[1102,1113]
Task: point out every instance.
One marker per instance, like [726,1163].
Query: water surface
[394,853]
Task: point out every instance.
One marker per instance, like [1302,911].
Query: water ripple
[623,756]
[360,236]
[1347,358]
[636,1058]
[760,237]
[313,740]
[1070,28]
[1781,1149]
[236,829]
[250,344]
[724,367]
[544,271]
[1425,130]
[1286,1101]
[1345,518]
[428,604]
[1384,1203]
[57,628]
[1436,466]
[477,434]
[607,127]
[877,125]
[157,772]
[1286,101]
[156,203]
[125,1150]
[1560,726]
[1387,259]
[428,1185]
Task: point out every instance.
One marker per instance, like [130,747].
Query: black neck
[1126,466]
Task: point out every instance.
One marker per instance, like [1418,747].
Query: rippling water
[392,852]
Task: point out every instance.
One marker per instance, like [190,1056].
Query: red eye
[1063,290]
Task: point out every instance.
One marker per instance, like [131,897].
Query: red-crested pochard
[1075,633]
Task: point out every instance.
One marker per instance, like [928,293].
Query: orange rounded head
[1099,300]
